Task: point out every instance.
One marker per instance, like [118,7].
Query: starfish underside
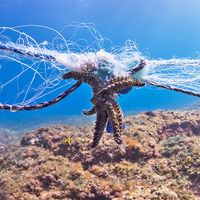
[104,101]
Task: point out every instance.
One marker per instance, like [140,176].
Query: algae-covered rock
[160,159]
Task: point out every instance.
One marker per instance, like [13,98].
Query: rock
[159,160]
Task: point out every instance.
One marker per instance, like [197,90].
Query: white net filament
[177,73]
[32,65]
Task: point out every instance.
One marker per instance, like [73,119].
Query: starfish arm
[112,114]
[90,112]
[120,85]
[119,114]
[120,79]
[117,79]
[43,104]
[89,78]
[141,65]
[99,127]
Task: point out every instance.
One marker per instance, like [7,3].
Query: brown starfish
[104,100]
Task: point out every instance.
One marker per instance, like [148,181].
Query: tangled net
[34,67]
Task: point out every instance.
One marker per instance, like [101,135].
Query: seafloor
[160,160]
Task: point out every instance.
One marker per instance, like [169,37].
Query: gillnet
[33,59]
[32,65]
[176,74]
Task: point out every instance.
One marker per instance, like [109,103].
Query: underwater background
[161,29]
[46,154]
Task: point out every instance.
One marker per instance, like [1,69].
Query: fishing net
[33,59]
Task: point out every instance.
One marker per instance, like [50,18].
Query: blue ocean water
[162,29]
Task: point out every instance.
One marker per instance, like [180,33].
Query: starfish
[104,101]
